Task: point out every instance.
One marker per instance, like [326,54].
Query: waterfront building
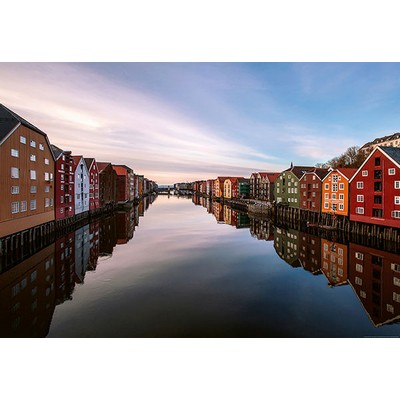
[209,187]
[375,277]
[140,185]
[236,187]
[336,191]
[107,184]
[334,262]
[262,229]
[219,186]
[136,184]
[311,189]
[94,201]
[81,180]
[287,185]
[218,211]
[27,175]
[126,184]
[64,179]
[261,185]
[375,189]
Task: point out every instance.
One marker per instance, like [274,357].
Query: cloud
[85,112]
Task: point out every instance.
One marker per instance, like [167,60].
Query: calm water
[181,269]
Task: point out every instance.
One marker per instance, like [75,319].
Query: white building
[82,185]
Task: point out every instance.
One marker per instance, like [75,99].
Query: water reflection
[205,271]
[30,290]
[373,274]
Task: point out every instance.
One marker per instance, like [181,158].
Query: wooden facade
[107,184]
[81,180]
[311,190]
[26,175]
[375,189]
[94,201]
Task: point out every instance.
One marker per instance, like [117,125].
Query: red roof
[76,161]
[120,170]
[102,165]
[347,172]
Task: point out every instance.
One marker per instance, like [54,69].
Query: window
[62,199]
[41,147]
[397,184]
[363,294]
[33,189]
[62,166]
[341,196]
[333,196]
[377,212]
[378,186]
[360,185]
[14,173]
[359,210]
[334,187]
[33,143]
[327,196]
[395,214]
[33,204]
[396,199]
[32,157]
[396,297]
[46,176]
[359,268]
[334,207]
[46,202]
[327,186]
[341,186]
[14,153]
[23,206]
[47,161]
[391,171]
[33,174]
[22,139]
[358,281]
[378,174]
[341,207]
[14,189]
[51,202]
[334,178]
[364,173]
[47,189]
[326,205]
[395,267]
[389,308]
[360,198]
[14,207]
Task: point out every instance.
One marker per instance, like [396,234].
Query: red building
[123,183]
[64,183]
[311,189]
[94,200]
[375,189]
[107,184]
[310,253]
[375,278]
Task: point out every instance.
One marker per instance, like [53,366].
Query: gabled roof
[9,120]
[222,178]
[123,166]
[320,172]
[299,171]
[56,151]
[120,170]
[77,160]
[89,162]
[392,152]
[347,172]
[103,165]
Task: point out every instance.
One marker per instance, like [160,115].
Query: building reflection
[334,262]
[286,244]
[218,211]
[310,253]
[30,290]
[28,296]
[375,278]
[261,229]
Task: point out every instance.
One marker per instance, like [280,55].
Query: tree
[351,158]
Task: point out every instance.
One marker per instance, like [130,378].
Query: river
[185,267]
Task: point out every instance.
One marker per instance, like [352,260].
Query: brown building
[107,184]
[27,296]
[310,253]
[27,173]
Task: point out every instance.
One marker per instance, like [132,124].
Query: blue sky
[186,121]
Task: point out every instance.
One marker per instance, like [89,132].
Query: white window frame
[14,207]
[14,173]
[360,185]
[22,139]
[360,198]
[32,174]
[391,171]
[14,153]
[364,173]
[14,189]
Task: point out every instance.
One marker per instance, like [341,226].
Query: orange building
[335,191]
[219,186]
[27,175]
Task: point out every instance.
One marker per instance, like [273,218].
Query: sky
[177,122]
